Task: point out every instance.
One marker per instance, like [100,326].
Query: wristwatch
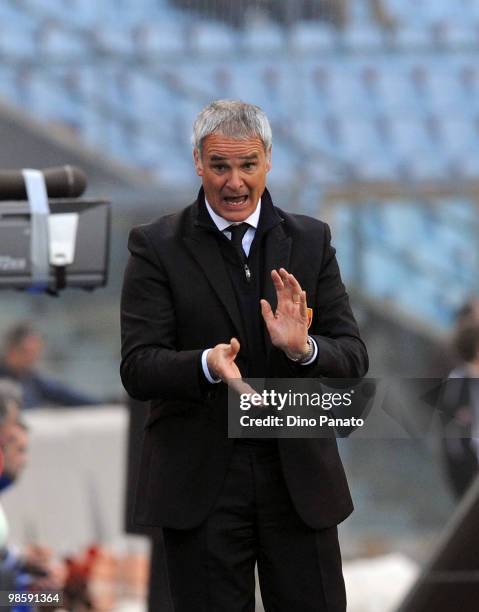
[303,358]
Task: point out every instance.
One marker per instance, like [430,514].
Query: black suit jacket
[177,301]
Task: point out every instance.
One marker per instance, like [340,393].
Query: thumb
[235,347]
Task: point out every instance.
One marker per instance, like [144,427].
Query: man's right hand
[221,361]
[221,364]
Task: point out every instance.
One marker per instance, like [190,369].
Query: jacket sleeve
[342,353]
[152,367]
[58,394]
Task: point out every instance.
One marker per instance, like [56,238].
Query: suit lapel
[207,253]
[276,255]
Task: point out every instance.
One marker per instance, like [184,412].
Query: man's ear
[198,162]
[268,159]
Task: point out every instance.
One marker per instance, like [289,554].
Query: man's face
[23,357]
[233,173]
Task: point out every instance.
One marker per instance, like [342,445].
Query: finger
[294,284]
[284,275]
[292,287]
[277,280]
[303,306]
[266,311]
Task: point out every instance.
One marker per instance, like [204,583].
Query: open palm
[288,325]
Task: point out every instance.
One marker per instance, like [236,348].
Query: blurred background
[374,106]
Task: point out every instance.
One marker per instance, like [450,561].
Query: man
[206,301]
[23,347]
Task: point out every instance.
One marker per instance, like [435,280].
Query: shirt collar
[223,224]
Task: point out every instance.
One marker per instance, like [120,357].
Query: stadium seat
[444,88]
[278,94]
[17,44]
[318,135]
[199,81]
[400,223]
[115,90]
[359,38]
[345,89]
[359,13]
[148,98]
[455,35]
[114,40]
[52,104]
[467,73]
[57,42]
[376,166]
[315,88]
[358,137]
[441,11]
[459,136]
[266,38]
[283,172]
[184,118]
[88,81]
[466,166]
[410,38]
[386,274]
[310,37]
[393,89]
[209,38]
[413,12]
[154,40]
[421,165]
[73,13]
[15,19]
[170,167]
[459,210]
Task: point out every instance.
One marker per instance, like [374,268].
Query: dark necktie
[237,234]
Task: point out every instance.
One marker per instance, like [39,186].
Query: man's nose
[235,181]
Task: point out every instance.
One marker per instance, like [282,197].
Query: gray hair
[233,119]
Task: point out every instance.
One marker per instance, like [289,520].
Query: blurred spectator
[33,570]
[9,412]
[381,14]
[15,451]
[10,403]
[469,312]
[23,347]
[286,12]
[447,358]
[461,407]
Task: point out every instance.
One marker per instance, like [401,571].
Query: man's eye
[249,165]
[219,167]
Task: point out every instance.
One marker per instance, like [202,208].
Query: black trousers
[211,568]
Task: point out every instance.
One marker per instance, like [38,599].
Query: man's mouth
[236,200]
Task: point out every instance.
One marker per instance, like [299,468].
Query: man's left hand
[288,326]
